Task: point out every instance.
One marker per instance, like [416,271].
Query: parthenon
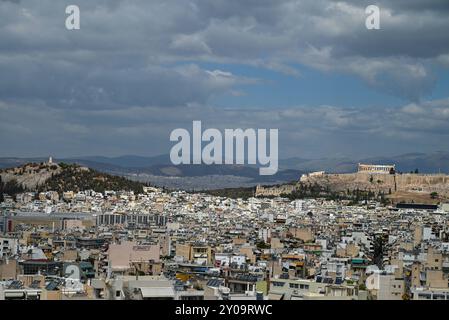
[375,168]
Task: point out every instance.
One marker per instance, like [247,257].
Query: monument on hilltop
[376,168]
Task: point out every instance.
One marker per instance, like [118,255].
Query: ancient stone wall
[383,182]
[376,182]
[274,191]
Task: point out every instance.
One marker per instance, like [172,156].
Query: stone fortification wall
[383,182]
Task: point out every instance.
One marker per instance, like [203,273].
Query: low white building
[385,286]
[8,246]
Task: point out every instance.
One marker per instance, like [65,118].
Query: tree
[378,251]
[416,171]
[434,195]
[262,245]
[405,296]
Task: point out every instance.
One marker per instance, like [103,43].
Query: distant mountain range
[424,162]
[159,171]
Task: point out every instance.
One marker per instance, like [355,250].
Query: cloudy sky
[138,69]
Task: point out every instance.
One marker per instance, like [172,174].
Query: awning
[275,296]
[162,292]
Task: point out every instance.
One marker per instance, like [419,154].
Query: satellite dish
[72,271]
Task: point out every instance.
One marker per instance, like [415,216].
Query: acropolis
[375,168]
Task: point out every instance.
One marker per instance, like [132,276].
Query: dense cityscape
[162,244]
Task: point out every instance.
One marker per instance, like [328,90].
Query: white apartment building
[8,246]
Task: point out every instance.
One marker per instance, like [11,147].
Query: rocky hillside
[390,183]
[30,175]
[407,187]
[61,177]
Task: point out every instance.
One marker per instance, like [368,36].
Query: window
[117,293]
[294,285]
[277,284]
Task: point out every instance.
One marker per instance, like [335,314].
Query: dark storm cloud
[142,41]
